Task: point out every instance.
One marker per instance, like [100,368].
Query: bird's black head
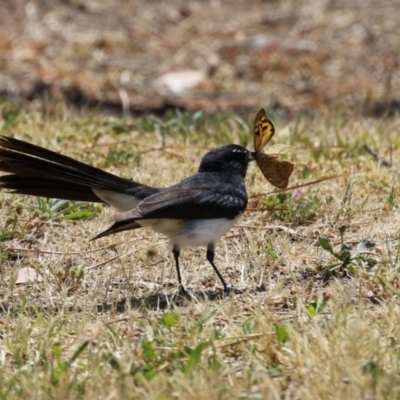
[232,158]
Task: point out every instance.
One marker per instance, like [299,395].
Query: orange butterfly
[276,171]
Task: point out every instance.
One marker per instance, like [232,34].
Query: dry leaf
[28,275]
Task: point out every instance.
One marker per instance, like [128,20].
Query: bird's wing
[180,203]
[190,203]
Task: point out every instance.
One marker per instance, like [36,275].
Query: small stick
[385,163]
[299,185]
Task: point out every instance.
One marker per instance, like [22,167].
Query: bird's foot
[183,292]
[228,290]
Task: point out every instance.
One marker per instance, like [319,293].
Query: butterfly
[276,171]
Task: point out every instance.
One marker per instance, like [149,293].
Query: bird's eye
[239,151]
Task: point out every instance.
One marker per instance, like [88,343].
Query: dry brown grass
[312,332]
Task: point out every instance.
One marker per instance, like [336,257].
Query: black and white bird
[197,211]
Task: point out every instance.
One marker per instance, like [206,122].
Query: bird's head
[231,158]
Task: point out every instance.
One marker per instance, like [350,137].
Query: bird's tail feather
[118,226]
[41,172]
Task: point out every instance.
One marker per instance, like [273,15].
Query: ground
[315,309]
[295,56]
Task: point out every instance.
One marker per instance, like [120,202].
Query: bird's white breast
[191,233]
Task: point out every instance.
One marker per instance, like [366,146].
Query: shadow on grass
[162,301]
[156,301]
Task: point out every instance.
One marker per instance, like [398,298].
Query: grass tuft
[317,268]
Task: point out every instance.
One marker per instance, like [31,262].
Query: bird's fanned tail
[40,172]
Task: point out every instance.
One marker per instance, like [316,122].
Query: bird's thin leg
[176,252]
[210,258]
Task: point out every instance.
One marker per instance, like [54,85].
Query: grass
[104,323]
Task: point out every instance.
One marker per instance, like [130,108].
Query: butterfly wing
[275,171]
[263,130]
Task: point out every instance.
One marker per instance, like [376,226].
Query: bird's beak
[252,156]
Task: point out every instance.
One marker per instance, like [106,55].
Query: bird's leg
[210,258]
[176,252]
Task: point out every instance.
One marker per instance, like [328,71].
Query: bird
[195,212]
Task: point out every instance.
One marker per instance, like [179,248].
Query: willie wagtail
[195,212]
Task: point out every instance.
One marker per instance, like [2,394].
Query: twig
[243,339]
[163,148]
[270,228]
[72,252]
[109,260]
[260,209]
[299,186]
[107,144]
[234,235]
[380,161]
